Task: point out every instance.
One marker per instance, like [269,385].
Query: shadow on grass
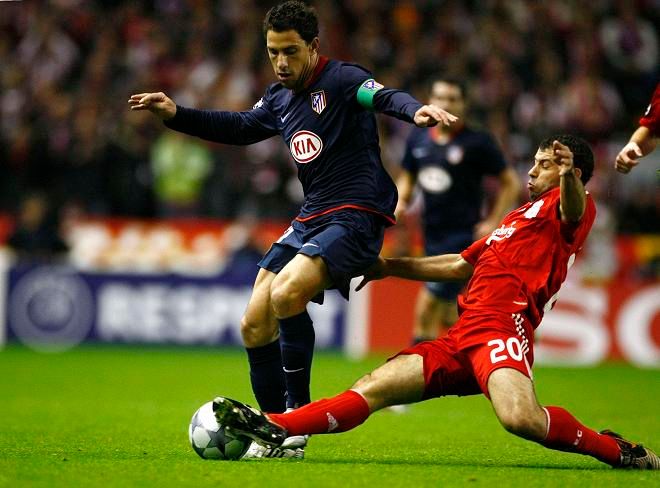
[455,463]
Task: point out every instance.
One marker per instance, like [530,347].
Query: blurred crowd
[68,140]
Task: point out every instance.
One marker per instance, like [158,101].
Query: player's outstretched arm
[429,115]
[641,143]
[445,267]
[573,198]
[158,103]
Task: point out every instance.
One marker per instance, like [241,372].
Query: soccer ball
[209,439]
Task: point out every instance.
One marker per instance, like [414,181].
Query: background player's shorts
[452,243]
[348,241]
[461,362]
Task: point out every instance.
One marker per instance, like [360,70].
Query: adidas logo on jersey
[501,233]
[305,146]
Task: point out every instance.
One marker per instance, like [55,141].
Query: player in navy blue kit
[323,109]
[449,165]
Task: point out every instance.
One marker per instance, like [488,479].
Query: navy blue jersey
[450,176]
[331,136]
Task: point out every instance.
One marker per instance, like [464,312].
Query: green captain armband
[366,92]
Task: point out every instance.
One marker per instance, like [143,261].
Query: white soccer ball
[209,439]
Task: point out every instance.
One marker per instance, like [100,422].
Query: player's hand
[429,115]
[563,157]
[158,103]
[376,271]
[628,158]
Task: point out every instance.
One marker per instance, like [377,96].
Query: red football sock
[336,414]
[566,433]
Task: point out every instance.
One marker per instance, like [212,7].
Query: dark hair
[460,84]
[293,15]
[583,158]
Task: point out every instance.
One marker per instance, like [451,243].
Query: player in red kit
[644,139]
[515,274]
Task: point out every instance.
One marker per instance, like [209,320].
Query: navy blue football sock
[297,343]
[267,377]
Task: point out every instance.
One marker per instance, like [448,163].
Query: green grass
[118,416]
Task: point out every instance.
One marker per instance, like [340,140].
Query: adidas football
[209,439]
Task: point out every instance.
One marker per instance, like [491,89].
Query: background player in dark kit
[515,275]
[323,109]
[449,164]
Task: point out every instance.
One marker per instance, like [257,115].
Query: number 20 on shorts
[512,346]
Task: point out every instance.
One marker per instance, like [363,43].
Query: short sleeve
[651,118]
[575,233]
[472,253]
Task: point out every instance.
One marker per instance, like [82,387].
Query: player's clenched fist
[158,103]
[563,157]
[628,158]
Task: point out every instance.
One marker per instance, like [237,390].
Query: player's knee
[256,333]
[367,386]
[286,300]
[519,422]
[514,423]
[363,382]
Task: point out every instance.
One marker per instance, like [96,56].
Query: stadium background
[117,230]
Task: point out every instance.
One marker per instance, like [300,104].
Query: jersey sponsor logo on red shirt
[501,233]
[318,101]
[305,146]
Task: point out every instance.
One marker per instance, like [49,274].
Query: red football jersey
[519,267]
[651,118]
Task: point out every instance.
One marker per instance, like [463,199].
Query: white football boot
[293,447]
[257,451]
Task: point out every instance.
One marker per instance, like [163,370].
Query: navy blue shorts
[348,241]
[452,243]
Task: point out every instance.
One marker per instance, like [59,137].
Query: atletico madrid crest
[318,101]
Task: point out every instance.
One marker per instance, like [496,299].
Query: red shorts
[461,362]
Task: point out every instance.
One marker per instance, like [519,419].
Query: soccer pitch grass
[118,416]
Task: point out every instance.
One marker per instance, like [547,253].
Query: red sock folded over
[336,414]
[566,433]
